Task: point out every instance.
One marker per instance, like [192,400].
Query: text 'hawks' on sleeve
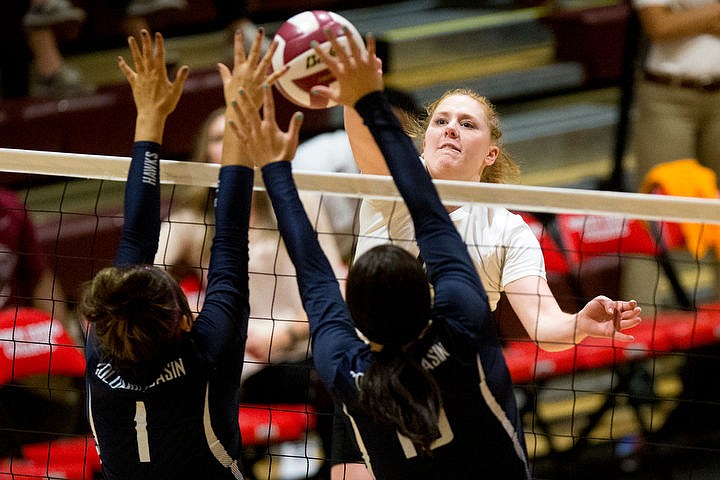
[141,226]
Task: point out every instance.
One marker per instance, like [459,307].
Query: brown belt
[701,86]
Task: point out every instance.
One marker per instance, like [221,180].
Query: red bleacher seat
[32,343]
[23,469]
[77,456]
[690,330]
[528,363]
[569,242]
[267,424]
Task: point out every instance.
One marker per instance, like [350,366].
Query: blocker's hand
[263,141]
[358,72]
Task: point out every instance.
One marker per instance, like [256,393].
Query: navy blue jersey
[481,431]
[184,423]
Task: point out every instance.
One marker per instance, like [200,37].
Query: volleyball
[306,69]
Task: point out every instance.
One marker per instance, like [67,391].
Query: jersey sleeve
[331,329]
[141,227]
[226,308]
[459,294]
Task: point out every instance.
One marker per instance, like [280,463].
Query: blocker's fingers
[159,50]
[125,68]
[330,62]
[355,49]
[254,54]
[322,91]
[338,49]
[371,46]
[266,60]
[269,103]
[238,49]
[239,132]
[244,107]
[147,49]
[272,78]
[135,54]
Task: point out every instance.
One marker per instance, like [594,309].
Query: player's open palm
[250,71]
[153,92]
[358,71]
[262,139]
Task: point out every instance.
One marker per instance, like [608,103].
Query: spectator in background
[677,112]
[25,278]
[45,22]
[36,34]
[138,14]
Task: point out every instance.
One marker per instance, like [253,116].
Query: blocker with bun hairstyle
[138,313]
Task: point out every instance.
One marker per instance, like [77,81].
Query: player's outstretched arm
[155,97]
[154,94]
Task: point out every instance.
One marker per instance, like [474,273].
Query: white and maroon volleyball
[306,70]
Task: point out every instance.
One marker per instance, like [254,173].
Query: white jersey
[693,56]
[500,243]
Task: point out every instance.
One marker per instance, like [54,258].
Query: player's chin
[449,166]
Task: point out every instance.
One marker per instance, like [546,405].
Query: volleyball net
[653,394]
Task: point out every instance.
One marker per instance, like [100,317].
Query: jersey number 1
[446,436]
[141,431]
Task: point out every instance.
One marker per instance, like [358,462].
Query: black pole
[627,93]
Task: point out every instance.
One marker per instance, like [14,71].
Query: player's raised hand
[154,94]
[250,71]
[261,138]
[358,71]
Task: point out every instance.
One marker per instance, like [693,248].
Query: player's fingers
[159,52]
[623,337]
[254,55]
[295,124]
[324,92]
[266,60]
[355,49]
[225,73]
[630,323]
[135,54]
[126,70]
[239,121]
[293,135]
[239,132]
[268,104]
[371,47]
[330,62]
[272,78]
[340,52]
[147,49]
[245,108]
[180,77]
[238,49]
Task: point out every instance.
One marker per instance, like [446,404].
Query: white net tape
[514,197]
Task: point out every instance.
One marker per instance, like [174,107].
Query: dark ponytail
[397,391]
[389,299]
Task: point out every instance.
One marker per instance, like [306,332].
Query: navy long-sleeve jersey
[184,423]
[481,431]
